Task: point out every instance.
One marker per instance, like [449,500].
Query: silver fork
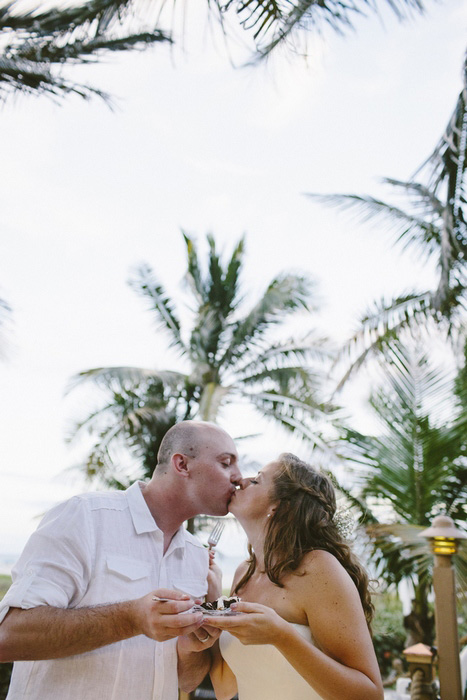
[216,533]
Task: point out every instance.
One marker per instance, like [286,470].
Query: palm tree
[433,221]
[274,23]
[230,358]
[413,470]
[37,43]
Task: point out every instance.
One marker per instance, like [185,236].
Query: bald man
[83,617]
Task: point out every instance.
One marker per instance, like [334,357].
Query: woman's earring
[269,515]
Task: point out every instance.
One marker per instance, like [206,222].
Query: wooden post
[444,538]
[420,689]
[420,660]
[449,669]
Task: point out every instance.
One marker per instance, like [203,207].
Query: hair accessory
[344,522]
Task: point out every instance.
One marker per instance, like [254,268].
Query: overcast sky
[196,143]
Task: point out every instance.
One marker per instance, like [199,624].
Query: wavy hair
[302,522]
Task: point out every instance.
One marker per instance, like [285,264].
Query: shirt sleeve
[55,566]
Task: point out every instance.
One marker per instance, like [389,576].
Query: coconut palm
[431,219]
[275,23]
[35,44]
[230,356]
[413,470]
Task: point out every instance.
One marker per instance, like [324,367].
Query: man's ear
[180,464]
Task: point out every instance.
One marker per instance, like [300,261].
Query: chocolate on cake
[221,606]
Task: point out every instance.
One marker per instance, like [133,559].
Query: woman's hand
[258,625]
[214,578]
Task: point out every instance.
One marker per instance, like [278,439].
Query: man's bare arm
[194,657]
[50,633]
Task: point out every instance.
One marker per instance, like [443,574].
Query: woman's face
[253,500]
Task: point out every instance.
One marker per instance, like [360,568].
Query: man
[83,617]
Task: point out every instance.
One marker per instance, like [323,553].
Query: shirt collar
[143,520]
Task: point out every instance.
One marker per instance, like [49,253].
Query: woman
[303,634]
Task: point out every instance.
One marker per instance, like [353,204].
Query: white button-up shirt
[94,549]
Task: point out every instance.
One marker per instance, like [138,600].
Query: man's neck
[165,507]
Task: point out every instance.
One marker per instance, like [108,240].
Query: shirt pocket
[196,587]
[128,568]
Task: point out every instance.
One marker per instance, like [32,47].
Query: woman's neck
[256,536]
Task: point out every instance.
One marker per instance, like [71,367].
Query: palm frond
[232,274]
[286,293]
[277,22]
[420,229]
[360,505]
[448,160]
[380,327]
[114,378]
[412,465]
[281,412]
[400,551]
[37,42]
[33,78]
[193,274]
[145,283]
[65,20]
[283,353]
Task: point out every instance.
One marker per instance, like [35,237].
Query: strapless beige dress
[263,673]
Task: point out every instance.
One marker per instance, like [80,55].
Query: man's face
[214,472]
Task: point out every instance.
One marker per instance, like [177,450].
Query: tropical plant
[275,23]
[36,44]
[388,631]
[230,355]
[434,222]
[413,470]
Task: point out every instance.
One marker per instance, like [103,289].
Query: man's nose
[236,476]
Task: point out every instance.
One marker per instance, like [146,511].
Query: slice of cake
[221,606]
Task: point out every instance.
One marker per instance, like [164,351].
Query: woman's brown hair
[303,521]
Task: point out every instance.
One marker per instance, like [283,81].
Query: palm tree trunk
[211,399]
[425,617]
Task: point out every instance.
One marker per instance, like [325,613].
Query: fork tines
[216,533]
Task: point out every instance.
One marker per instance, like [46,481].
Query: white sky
[196,144]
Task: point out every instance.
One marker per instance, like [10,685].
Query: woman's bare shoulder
[321,568]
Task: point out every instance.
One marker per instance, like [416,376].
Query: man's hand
[167,618]
[194,657]
[214,578]
[200,640]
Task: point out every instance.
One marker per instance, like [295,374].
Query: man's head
[203,460]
